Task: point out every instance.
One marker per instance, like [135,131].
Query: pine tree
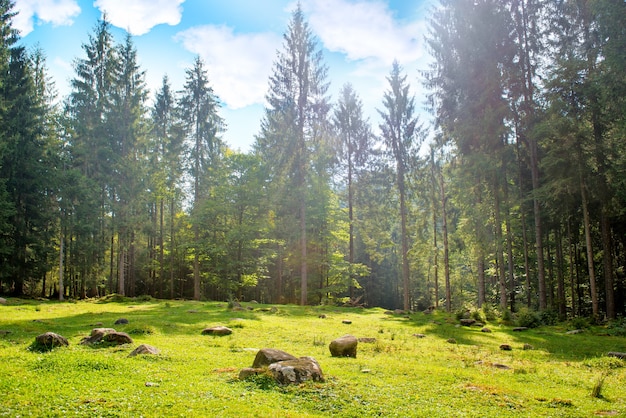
[402,135]
[199,113]
[293,126]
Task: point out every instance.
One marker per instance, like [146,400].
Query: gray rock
[144,349]
[520,329]
[117,338]
[485,329]
[121,321]
[505,347]
[370,340]
[466,322]
[419,335]
[96,336]
[575,331]
[3,301]
[267,356]
[50,340]
[218,330]
[345,346]
[346,321]
[297,371]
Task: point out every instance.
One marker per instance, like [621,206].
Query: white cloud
[139,16]
[365,30]
[238,64]
[57,12]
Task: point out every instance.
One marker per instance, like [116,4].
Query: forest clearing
[408,365]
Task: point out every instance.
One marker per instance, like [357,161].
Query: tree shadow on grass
[552,340]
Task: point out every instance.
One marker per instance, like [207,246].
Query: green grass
[398,375]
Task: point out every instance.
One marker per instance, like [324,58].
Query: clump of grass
[318,341]
[596,392]
[143,330]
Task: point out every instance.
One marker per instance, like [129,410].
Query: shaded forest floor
[451,371]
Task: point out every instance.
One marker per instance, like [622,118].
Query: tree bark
[592,274]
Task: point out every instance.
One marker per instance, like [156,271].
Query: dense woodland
[514,197]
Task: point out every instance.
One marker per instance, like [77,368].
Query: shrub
[527,318]
[549,317]
[579,323]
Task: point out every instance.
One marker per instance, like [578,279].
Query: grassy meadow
[398,375]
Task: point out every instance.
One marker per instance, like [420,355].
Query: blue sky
[238,40]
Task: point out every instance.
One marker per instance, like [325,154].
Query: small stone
[520,329]
[152,385]
[505,347]
[485,329]
[121,321]
[574,331]
[4,332]
[501,366]
[419,335]
[369,340]
[366,370]
[466,322]
[617,354]
[322,316]
[528,347]
[346,321]
[144,349]
[451,341]
[3,301]
[218,330]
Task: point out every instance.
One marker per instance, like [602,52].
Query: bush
[489,312]
[527,318]
[579,323]
[478,315]
[549,317]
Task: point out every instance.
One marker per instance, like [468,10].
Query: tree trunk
[560,277]
[61,288]
[446,254]
[592,274]
[405,241]
[607,264]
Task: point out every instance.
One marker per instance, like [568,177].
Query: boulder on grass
[121,321]
[144,349]
[117,338]
[296,371]
[3,301]
[96,336]
[344,346]
[218,330]
[267,356]
[466,322]
[50,340]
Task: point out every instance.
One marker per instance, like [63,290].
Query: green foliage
[527,318]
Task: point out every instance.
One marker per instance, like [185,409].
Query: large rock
[218,330]
[117,338]
[96,336]
[267,356]
[3,301]
[344,346]
[296,371]
[144,349]
[50,340]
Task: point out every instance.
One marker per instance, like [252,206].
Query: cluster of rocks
[283,367]
[105,336]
